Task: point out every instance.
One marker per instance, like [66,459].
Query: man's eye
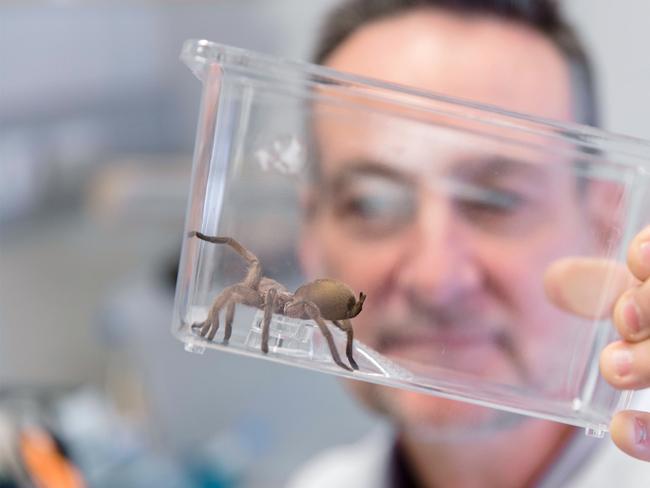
[496,201]
[376,208]
[495,209]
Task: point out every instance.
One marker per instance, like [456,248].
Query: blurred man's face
[448,234]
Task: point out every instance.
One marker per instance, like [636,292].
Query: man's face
[446,232]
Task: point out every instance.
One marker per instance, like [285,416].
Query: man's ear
[606,211]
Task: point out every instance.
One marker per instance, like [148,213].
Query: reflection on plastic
[295,339]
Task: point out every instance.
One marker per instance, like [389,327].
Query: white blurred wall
[618,36]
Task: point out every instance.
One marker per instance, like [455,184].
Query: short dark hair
[542,15]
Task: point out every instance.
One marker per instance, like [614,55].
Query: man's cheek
[358,268]
[359,264]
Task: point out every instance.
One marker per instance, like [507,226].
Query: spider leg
[254,274]
[207,325]
[211,327]
[266,324]
[230,316]
[346,327]
[313,313]
[232,294]
[202,326]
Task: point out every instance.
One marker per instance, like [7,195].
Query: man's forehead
[483,168]
[361,141]
[483,59]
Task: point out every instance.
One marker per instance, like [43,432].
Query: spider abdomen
[335,300]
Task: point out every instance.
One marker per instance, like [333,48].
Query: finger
[626,365]
[630,431]
[632,313]
[638,256]
[587,287]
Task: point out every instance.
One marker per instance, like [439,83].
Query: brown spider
[319,300]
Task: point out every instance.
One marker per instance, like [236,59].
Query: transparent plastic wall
[403,238]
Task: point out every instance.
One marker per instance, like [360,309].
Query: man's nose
[440,264]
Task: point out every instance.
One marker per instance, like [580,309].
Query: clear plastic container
[447,215]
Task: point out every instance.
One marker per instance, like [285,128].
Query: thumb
[630,432]
[588,287]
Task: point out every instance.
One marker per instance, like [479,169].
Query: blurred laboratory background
[97,124]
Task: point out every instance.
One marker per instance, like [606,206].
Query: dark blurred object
[32,453]
[77,438]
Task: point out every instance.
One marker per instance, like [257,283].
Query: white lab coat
[365,464]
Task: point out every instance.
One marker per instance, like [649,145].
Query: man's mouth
[437,338]
[443,338]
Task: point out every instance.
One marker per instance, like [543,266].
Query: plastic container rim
[198,54]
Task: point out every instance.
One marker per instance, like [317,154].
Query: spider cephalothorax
[318,300]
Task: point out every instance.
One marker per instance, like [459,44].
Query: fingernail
[622,361]
[631,314]
[641,433]
[644,249]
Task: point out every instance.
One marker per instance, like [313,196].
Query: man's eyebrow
[367,167]
[487,167]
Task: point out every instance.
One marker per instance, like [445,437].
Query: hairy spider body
[334,299]
[319,300]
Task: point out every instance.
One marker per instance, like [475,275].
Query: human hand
[574,285]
